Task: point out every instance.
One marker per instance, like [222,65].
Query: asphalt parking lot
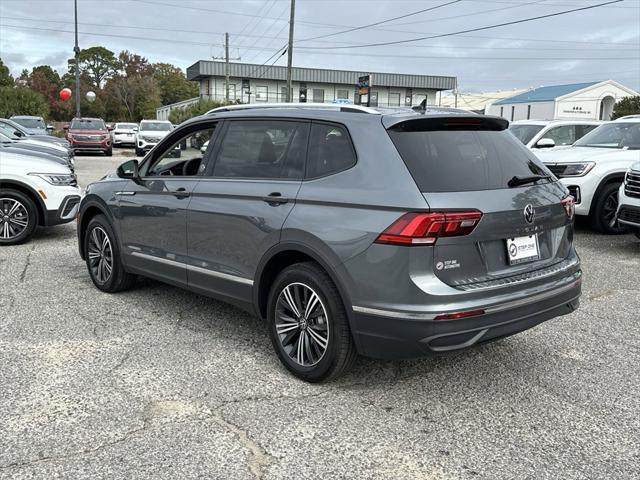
[158,382]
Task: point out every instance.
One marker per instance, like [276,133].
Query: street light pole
[76,49]
[290,50]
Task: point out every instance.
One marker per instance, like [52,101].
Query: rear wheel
[603,215]
[139,152]
[109,152]
[102,257]
[18,217]
[308,324]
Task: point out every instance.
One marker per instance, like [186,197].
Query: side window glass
[582,130]
[184,157]
[262,149]
[330,150]
[562,135]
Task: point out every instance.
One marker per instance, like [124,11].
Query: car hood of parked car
[581,154]
[14,161]
[84,131]
[153,133]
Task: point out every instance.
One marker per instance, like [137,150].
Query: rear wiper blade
[516,181]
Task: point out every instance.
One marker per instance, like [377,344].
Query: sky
[590,45]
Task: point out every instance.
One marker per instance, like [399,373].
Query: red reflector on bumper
[458,315]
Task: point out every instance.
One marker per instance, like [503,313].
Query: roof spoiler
[449,122]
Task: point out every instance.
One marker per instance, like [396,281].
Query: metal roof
[545,94]
[206,68]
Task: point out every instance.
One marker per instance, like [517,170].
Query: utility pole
[76,50]
[226,66]
[292,15]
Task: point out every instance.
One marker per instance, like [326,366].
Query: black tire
[25,207]
[139,152]
[603,211]
[637,233]
[109,152]
[115,280]
[340,353]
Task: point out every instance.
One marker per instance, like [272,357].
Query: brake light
[569,205]
[413,229]
[459,315]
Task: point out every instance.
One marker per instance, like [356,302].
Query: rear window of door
[453,160]
[330,150]
[269,149]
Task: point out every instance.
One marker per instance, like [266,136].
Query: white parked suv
[594,167]
[34,192]
[150,132]
[551,133]
[629,200]
[124,134]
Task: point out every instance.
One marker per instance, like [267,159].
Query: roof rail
[311,106]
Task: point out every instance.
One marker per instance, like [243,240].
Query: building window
[528,112]
[232,91]
[502,111]
[394,99]
[318,95]
[205,87]
[262,93]
[283,94]
[342,94]
[513,112]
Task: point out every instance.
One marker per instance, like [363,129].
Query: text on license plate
[522,249]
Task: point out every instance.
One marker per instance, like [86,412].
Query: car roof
[26,117]
[628,118]
[556,122]
[87,118]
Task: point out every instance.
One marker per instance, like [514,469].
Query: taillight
[569,205]
[413,229]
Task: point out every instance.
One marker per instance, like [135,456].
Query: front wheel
[308,324]
[18,217]
[603,215]
[102,257]
[638,234]
[109,152]
[139,152]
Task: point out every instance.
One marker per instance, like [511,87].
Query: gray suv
[389,234]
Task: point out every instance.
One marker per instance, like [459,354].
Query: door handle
[275,198]
[181,193]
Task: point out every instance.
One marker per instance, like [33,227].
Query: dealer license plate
[522,249]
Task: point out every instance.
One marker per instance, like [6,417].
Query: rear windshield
[30,122]
[88,124]
[155,126]
[525,133]
[458,160]
[125,126]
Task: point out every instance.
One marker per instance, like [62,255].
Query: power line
[276,37]
[477,29]
[381,21]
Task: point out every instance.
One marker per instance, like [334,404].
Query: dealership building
[575,101]
[249,83]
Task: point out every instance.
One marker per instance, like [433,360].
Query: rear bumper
[391,334]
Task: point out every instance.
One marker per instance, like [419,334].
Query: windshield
[155,126]
[525,133]
[8,131]
[31,122]
[126,126]
[454,160]
[88,124]
[613,135]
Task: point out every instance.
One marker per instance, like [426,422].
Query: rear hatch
[473,164]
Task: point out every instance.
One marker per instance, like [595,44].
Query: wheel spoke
[311,304]
[290,302]
[286,327]
[300,349]
[319,339]
[13,209]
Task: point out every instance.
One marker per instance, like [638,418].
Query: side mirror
[129,169]
[135,129]
[546,143]
[50,128]
[65,126]
[109,127]
[18,133]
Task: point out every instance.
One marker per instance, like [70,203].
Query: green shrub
[22,101]
[626,106]
[179,115]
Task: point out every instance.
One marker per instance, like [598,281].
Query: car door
[153,209]
[237,210]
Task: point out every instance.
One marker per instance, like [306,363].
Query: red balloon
[65,94]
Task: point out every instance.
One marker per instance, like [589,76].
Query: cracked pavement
[158,382]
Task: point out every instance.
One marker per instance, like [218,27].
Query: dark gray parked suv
[390,234]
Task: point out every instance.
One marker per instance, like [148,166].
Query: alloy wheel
[14,218]
[610,209]
[302,324]
[100,255]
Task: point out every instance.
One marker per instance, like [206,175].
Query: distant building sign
[364,89]
[577,111]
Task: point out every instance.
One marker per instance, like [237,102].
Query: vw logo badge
[529,213]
